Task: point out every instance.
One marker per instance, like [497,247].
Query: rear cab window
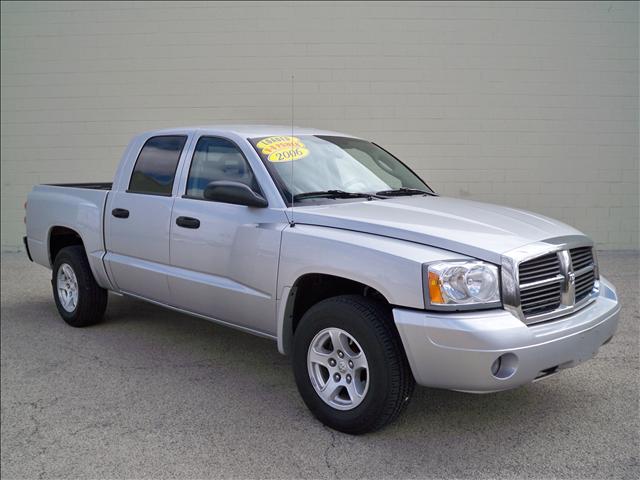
[155,168]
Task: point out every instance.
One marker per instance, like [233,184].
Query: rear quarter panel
[78,209]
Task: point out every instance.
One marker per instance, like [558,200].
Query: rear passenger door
[224,256]
[138,220]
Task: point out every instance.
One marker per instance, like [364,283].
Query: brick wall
[533,105]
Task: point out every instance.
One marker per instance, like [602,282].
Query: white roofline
[246,130]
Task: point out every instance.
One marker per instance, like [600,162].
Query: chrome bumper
[460,351]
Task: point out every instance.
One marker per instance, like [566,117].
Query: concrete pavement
[150,393]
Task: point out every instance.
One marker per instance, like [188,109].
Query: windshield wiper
[398,192]
[332,194]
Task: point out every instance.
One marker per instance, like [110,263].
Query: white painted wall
[528,104]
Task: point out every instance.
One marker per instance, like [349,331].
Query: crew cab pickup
[335,249]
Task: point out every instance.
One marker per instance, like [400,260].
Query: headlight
[462,284]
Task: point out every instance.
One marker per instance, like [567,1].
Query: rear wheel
[349,364]
[80,300]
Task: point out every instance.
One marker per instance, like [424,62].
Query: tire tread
[378,319]
[402,382]
[92,301]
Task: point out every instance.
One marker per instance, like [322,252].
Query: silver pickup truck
[334,248]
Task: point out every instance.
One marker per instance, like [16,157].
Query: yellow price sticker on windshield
[282,148]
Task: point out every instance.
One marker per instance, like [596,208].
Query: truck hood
[476,229]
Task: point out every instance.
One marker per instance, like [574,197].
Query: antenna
[292,223]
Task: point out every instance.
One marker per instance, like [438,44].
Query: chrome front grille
[584,267]
[540,268]
[539,285]
[581,257]
[584,285]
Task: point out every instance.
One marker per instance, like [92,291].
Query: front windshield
[316,163]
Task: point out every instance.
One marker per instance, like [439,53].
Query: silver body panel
[241,265]
[227,268]
[138,246]
[78,209]
[476,229]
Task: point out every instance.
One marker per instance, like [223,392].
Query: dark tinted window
[156,166]
[217,159]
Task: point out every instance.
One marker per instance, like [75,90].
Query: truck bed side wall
[78,209]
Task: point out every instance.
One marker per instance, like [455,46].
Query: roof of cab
[248,131]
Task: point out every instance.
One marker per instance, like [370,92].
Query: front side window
[317,163]
[217,159]
[156,165]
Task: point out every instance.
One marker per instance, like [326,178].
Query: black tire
[92,299]
[390,383]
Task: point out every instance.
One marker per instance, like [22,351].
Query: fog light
[504,366]
[495,367]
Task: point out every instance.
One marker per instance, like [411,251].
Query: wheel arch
[309,289]
[59,237]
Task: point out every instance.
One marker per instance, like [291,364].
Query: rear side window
[217,159]
[156,165]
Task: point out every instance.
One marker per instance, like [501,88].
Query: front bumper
[457,351]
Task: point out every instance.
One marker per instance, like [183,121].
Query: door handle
[188,222]
[120,213]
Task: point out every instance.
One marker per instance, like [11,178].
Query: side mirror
[234,192]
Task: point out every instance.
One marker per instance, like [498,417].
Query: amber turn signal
[434,289]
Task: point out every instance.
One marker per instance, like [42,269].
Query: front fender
[393,267]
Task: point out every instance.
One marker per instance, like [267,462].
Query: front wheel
[80,300]
[349,364]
